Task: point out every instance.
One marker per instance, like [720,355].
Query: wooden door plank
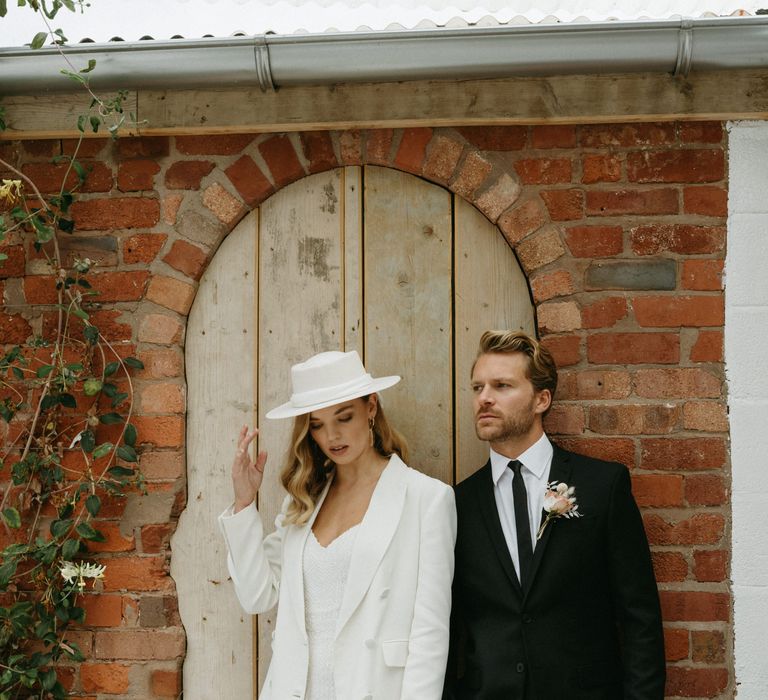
[491,292]
[301,301]
[407,255]
[220,342]
[352,203]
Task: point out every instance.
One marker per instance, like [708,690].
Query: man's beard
[511,427]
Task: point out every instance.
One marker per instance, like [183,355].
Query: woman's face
[341,431]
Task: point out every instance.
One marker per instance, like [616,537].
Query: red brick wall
[621,231]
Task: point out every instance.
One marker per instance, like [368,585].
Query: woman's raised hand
[246,474]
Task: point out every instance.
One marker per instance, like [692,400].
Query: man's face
[506,405]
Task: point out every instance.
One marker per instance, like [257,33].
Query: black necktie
[522,524]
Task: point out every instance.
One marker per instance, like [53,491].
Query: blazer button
[384,593]
[368,697]
[370,643]
[527,619]
[520,667]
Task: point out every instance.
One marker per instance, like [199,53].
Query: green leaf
[127,453]
[81,123]
[70,548]
[67,400]
[133,362]
[93,504]
[129,437]
[48,401]
[91,334]
[59,528]
[88,532]
[91,66]
[3,8]
[87,441]
[67,225]
[44,371]
[6,571]
[80,171]
[102,450]
[38,40]
[95,121]
[17,373]
[80,314]
[118,399]
[111,368]
[48,679]
[121,472]
[12,517]
[111,418]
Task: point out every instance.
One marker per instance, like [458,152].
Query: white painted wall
[746,358]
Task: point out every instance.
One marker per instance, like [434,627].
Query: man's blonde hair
[541,368]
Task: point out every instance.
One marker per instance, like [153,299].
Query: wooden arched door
[367,258]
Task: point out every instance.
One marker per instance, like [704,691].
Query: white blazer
[392,632]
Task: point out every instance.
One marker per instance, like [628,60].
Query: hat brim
[289,410]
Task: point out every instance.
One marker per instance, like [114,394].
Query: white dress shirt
[536,461]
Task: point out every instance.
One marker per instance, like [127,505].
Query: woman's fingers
[261,461]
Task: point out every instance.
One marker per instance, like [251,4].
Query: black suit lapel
[490,514]
[559,471]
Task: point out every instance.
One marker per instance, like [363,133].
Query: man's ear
[543,401]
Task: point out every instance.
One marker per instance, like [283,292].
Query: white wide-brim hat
[327,379]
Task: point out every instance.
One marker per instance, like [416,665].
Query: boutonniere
[559,502]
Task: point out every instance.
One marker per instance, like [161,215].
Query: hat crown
[326,379]
[326,371]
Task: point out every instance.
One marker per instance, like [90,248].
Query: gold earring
[370,431]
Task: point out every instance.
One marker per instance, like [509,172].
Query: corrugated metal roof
[107,20]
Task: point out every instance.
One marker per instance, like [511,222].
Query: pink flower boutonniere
[559,502]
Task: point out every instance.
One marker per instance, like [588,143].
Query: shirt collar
[536,459]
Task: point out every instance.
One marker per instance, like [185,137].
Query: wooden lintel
[722,95]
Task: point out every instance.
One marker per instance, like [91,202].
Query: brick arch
[468,162]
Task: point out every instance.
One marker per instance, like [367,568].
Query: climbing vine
[67,443]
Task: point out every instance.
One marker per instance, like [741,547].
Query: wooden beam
[555,100]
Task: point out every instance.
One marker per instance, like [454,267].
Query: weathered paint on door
[370,259]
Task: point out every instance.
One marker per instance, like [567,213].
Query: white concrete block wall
[746,360]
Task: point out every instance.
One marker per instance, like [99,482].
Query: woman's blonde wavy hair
[307,469]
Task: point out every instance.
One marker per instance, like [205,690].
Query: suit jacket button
[368,697]
[370,643]
[527,619]
[520,667]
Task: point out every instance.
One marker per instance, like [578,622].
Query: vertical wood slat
[490,292]
[408,241]
[352,204]
[300,292]
[219,345]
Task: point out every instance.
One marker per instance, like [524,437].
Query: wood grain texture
[491,292]
[300,314]
[220,343]
[408,242]
[569,99]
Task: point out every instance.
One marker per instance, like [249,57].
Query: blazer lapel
[293,576]
[376,531]
[489,510]
[559,471]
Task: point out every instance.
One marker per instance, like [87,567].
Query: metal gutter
[271,62]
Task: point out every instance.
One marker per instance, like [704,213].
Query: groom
[553,597]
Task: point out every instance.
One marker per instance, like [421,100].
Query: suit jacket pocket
[395,652]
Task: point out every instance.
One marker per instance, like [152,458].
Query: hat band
[308,398]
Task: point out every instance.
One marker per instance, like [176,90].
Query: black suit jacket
[588,626]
